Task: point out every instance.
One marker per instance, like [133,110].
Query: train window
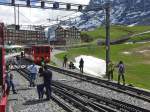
[42,49]
[47,49]
[37,50]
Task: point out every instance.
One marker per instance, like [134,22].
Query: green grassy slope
[137,64]
[117,31]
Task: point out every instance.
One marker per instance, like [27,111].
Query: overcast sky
[35,16]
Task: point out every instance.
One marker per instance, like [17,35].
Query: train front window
[47,49]
[37,50]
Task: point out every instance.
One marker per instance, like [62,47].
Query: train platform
[12,55]
[26,99]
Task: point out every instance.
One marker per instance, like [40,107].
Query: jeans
[40,90]
[12,85]
[123,78]
[48,90]
[32,78]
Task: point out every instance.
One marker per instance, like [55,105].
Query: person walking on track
[33,72]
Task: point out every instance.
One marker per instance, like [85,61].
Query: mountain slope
[127,12]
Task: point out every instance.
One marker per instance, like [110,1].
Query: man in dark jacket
[65,61]
[81,65]
[47,82]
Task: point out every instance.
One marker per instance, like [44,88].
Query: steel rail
[25,74]
[99,107]
[119,105]
[134,92]
[65,106]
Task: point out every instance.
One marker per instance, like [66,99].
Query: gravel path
[27,100]
[100,90]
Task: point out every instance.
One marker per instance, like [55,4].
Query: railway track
[96,101]
[87,101]
[134,92]
[65,106]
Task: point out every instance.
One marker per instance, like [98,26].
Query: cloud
[33,15]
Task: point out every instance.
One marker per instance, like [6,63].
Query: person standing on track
[9,81]
[40,83]
[47,82]
[65,61]
[110,70]
[121,71]
[81,65]
[33,72]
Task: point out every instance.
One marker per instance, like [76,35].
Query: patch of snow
[126,52]
[143,51]
[131,25]
[92,65]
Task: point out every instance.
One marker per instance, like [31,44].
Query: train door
[47,53]
[36,54]
[3,100]
[2,66]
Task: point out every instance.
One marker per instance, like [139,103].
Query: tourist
[81,65]
[110,70]
[121,71]
[47,82]
[65,61]
[33,72]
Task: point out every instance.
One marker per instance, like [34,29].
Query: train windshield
[47,49]
[37,50]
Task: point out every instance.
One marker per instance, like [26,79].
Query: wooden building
[22,37]
[67,35]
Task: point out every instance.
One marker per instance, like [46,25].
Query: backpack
[121,68]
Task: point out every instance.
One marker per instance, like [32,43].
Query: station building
[21,36]
[65,35]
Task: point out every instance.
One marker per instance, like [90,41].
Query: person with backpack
[121,71]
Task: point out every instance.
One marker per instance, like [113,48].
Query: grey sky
[35,16]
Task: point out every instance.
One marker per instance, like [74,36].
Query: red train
[37,52]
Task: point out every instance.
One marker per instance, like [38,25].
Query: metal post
[18,15]
[15,15]
[107,36]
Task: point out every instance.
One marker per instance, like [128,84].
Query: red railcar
[37,52]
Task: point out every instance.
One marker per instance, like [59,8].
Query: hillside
[124,12]
[118,32]
[135,56]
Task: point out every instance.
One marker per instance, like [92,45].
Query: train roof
[12,46]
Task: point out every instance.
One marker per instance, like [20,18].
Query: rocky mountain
[127,12]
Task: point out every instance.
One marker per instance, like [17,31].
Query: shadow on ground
[33,102]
